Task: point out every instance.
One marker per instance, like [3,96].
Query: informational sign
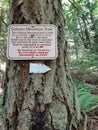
[32,42]
[38,68]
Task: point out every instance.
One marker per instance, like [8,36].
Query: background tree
[3,28]
[39,101]
[81,19]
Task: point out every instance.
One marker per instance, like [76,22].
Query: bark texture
[39,101]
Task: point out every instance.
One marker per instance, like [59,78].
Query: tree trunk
[39,101]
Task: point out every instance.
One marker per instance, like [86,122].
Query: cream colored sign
[32,42]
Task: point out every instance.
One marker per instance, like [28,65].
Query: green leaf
[91,101]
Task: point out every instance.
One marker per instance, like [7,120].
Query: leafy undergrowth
[86,99]
[84,68]
[85,75]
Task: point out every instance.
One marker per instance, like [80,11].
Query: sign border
[27,58]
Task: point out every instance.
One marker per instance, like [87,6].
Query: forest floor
[91,116]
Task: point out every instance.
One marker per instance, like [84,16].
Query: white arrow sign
[38,68]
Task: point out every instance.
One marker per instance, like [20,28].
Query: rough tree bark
[39,101]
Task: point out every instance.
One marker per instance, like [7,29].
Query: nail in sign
[32,42]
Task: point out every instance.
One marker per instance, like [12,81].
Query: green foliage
[88,63]
[85,86]
[81,23]
[82,34]
[95,7]
[86,99]
[1,101]
[4,3]
[3,28]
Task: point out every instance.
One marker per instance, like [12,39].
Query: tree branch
[83,16]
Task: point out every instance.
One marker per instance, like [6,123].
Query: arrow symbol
[38,68]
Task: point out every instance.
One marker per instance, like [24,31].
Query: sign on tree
[32,42]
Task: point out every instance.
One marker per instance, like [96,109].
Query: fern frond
[92,101]
[83,92]
[86,86]
[86,99]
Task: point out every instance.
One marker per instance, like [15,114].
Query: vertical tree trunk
[39,101]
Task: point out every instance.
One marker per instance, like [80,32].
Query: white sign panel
[38,68]
[32,42]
